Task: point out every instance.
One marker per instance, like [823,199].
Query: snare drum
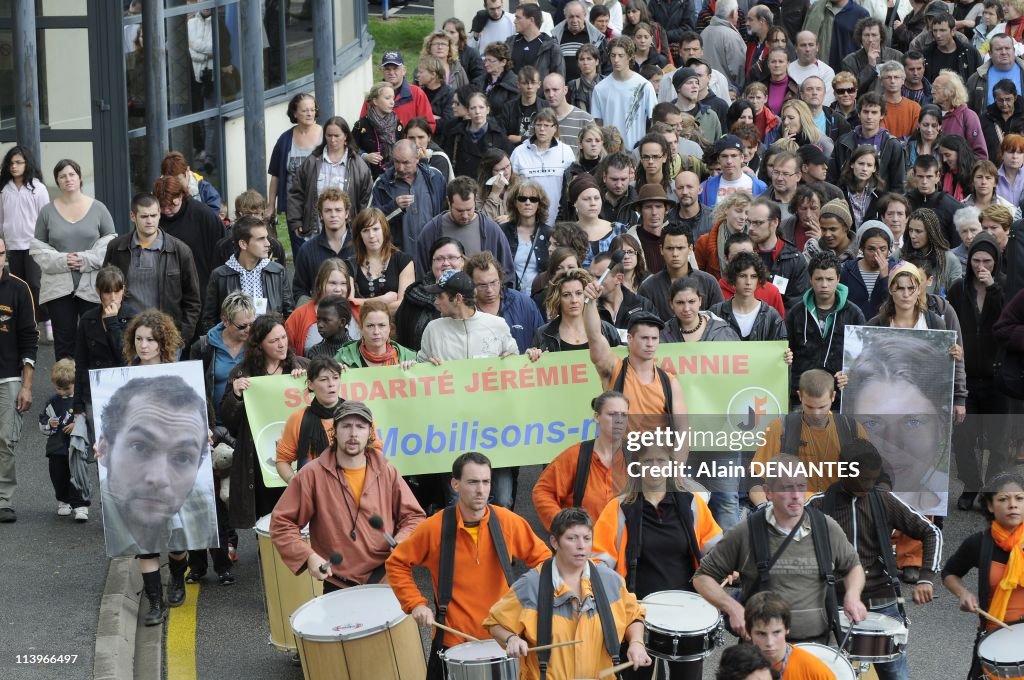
[483,660]
[832,658]
[1001,652]
[358,633]
[680,626]
[876,639]
[283,591]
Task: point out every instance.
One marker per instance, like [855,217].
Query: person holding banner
[337,495]
[589,474]
[417,308]
[310,431]
[375,348]
[468,550]
[566,331]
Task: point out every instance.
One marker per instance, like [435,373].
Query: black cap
[728,142]
[645,318]
[811,154]
[452,281]
[681,75]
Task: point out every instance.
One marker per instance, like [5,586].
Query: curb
[118,620]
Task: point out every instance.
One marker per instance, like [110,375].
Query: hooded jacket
[768,324]
[813,348]
[980,343]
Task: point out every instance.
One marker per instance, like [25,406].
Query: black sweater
[19,337]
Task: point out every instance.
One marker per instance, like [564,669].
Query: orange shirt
[356,479]
[1015,608]
[816,446]
[553,490]
[288,444]
[803,665]
[646,399]
[901,119]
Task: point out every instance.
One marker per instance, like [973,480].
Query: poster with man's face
[152,446]
[900,390]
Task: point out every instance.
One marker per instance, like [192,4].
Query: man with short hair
[687,83]
[901,113]
[704,94]
[833,21]
[159,270]
[493,297]
[516,116]
[410,193]
[491,24]
[617,193]
[571,120]
[625,100]
[691,46]
[949,51]
[787,269]
[729,151]
[528,46]
[675,246]
[871,34]
[474,230]
[768,619]
[691,213]
[572,34]
[785,179]
[334,240]
[807,64]
[891,168]
[18,346]
[617,302]
[727,51]
[410,100]
[1004,64]
[916,86]
[927,194]
[250,271]
[482,538]
[831,124]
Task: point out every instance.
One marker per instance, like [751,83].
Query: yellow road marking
[181,637]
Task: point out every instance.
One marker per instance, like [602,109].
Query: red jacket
[410,101]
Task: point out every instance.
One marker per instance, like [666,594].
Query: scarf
[1015,28]
[312,436]
[952,187]
[387,129]
[251,282]
[389,357]
[1013,577]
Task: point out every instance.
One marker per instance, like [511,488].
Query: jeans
[893,670]
[725,498]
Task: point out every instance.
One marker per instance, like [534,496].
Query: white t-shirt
[745,321]
[624,104]
[731,186]
[818,68]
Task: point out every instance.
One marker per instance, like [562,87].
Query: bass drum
[832,658]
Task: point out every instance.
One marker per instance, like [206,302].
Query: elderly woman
[950,95]
[291,149]
[500,84]
[441,46]
[844,86]
[70,243]
[1003,116]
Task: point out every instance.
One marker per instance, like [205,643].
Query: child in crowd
[56,422]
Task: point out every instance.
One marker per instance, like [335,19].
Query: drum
[283,591]
[1001,652]
[680,626]
[832,658]
[358,633]
[483,660]
[876,639]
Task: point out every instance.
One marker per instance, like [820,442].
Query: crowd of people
[619,173]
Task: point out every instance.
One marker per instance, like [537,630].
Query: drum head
[1002,646]
[837,663]
[348,614]
[688,611]
[483,650]
[263,525]
[874,623]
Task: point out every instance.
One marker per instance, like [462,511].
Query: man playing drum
[858,505]
[569,598]
[337,494]
[477,541]
[767,618]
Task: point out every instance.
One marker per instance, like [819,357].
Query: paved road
[53,573]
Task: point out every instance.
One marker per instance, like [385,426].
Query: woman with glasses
[1003,116]
[655,162]
[527,232]
[500,83]
[441,46]
[333,278]
[417,308]
[634,266]
[543,157]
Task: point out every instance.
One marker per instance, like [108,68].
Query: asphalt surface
[52,573]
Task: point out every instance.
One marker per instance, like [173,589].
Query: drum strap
[666,384]
[579,485]
[634,514]
[823,553]
[988,546]
[546,612]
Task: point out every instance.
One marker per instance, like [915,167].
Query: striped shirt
[569,127]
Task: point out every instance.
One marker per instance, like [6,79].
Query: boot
[155,594]
[176,588]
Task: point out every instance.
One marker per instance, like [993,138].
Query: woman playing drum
[999,556]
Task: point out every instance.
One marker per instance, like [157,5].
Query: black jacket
[441,101]
[980,344]
[470,59]
[541,238]
[178,290]
[892,167]
[768,324]
[314,253]
[967,58]
[676,16]
[790,264]
[836,124]
[368,140]
[994,127]
[19,337]
[851,277]
[546,337]
[226,247]
[505,90]
[466,153]
[201,229]
[276,288]
[413,315]
[98,344]
[631,303]
[944,206]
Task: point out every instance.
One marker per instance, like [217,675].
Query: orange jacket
[706,252]
[611,534]
[553,490]
[803,665]
[478,581]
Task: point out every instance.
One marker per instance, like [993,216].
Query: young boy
[332,317]
[56,422]
[767,618]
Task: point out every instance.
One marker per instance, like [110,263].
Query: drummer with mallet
[569,598]
[468,549]
[337,495]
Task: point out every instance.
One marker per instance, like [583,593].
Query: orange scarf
[1013,576]
[389,357]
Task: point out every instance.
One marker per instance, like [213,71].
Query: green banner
[522,413]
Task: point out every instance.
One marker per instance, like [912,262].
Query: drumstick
[985,615]
[608,672]
[541,648]
[455,632]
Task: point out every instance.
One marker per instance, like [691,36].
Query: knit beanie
[838,208]
[869,225]
[580,184]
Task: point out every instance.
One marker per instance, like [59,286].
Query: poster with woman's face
[900,390]
[152,446]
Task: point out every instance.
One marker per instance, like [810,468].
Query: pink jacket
[962,121]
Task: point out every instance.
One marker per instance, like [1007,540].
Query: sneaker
[63,509]
[7,515]
[226,578]
[82,514]
[233,553]
[194,577]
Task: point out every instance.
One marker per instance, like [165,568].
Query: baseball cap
[728,142]
[452,282]
[353,408]
[392,57]
[645,318]
[681,75]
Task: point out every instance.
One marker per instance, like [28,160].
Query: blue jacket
[406,226]
[278,167]
[857,290]
[521,315]
[709,192]
[209,195]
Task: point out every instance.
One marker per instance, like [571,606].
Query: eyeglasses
[528,199]
[845,90]
[629,252]
[446,258]
[787,175]
[652,158]
[241,326]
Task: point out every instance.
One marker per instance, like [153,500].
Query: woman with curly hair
[729,217]
[563,303]
[441,46]
[950,95]
[925,239]
[741,112]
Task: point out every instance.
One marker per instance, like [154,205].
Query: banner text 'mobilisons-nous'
[465,436]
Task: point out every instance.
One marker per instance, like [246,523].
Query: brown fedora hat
[653,192]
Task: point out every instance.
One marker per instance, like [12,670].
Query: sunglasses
[241,326]
[845,90]
[528,199]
